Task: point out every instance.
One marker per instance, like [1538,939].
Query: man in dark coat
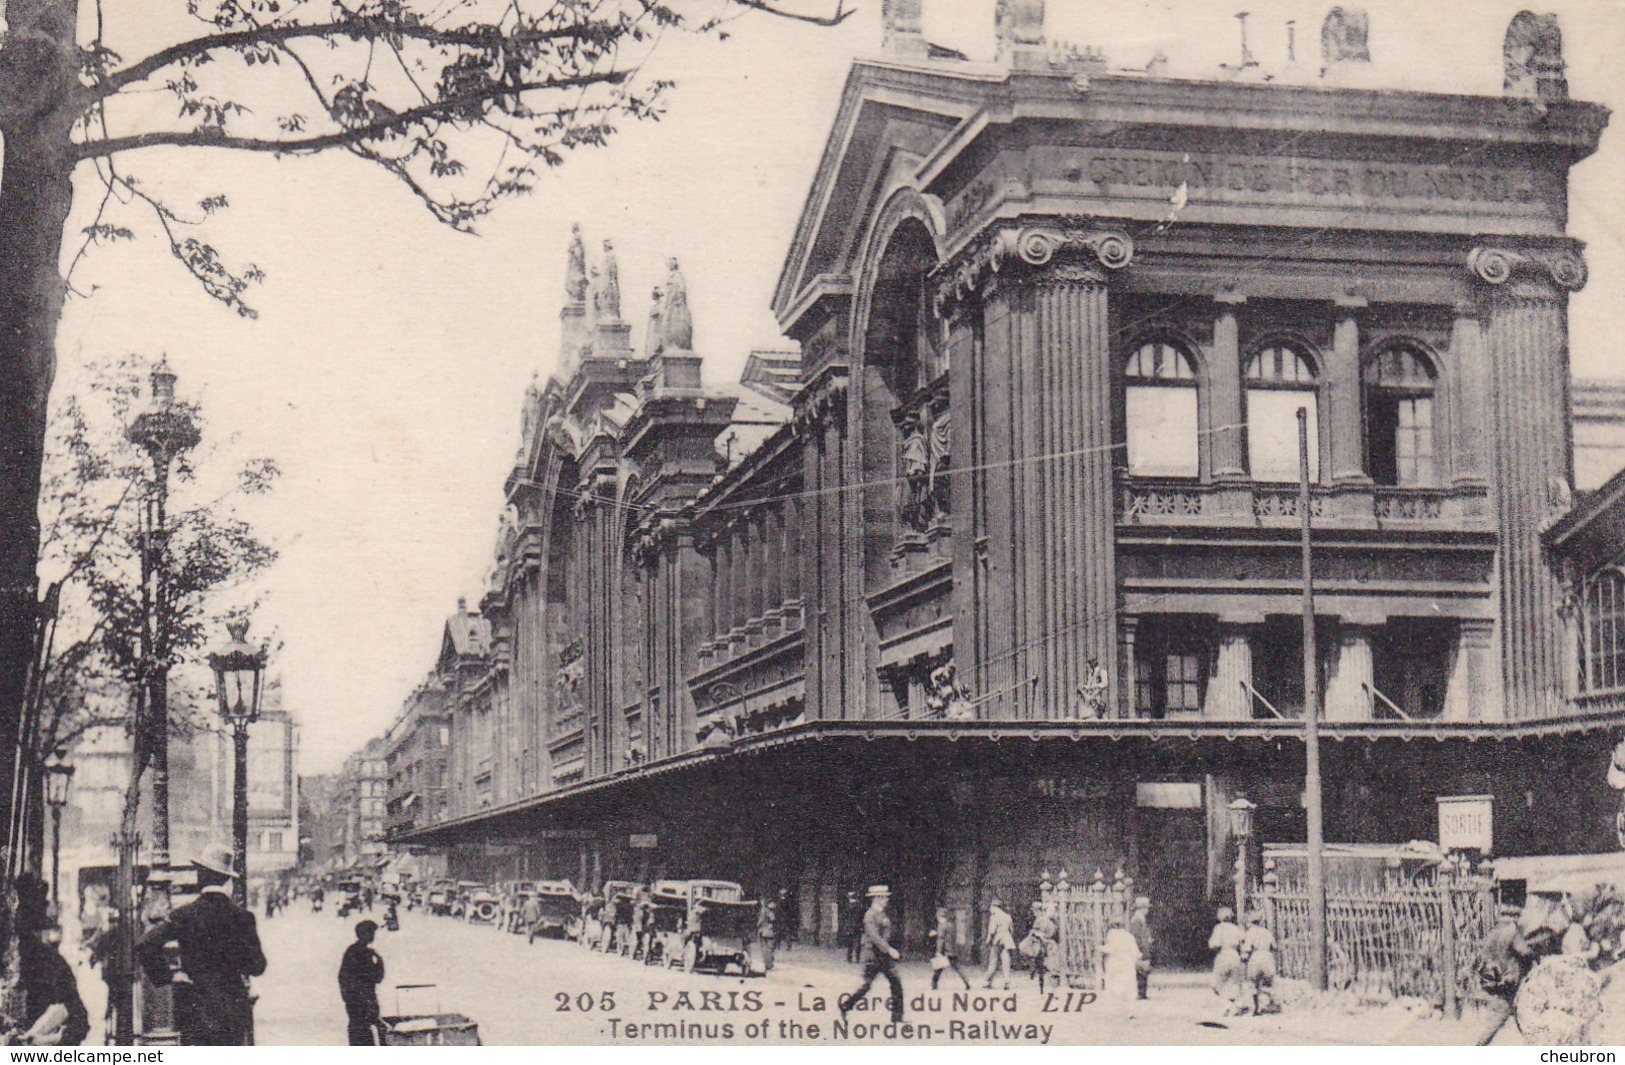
[55,1014]
[879,956]
[1139,926]
[219,950]
[360,973]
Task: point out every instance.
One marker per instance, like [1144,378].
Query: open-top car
[620,900]
[439,897]
[667,926]
[721,929]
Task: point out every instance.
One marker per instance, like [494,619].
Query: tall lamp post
[1241,826]
[58,777]
[164,430]
[238,671]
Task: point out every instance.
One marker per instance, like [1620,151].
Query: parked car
[482,906]
[558,910]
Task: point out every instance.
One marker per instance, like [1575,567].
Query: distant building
[273,787]
[362,793]
[321,823]
[419,744]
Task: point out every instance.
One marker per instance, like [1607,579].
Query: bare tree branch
[213,137]
[766,7]
[358,28]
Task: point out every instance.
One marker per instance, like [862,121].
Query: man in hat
[1000,941]
[878,955]
[1140,928]
[853,925]
[219,950]
[360,973]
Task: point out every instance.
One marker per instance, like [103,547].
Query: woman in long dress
[1228,972]
[1122,952]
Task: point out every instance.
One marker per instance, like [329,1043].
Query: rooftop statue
[575,275]
[655,338]
[677,321]
[1533,54]
[1345,37]
[607,300]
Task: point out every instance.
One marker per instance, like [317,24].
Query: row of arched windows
[1161,407]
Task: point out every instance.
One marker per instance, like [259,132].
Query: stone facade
[1004,574]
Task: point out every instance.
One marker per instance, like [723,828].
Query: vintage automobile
[481,906]
[620,900]
[558,910]
[667,926]
[721,928]
[438,898]
[464,894]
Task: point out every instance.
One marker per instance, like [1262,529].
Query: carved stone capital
[825,406]
[1068,249]
[1560,265]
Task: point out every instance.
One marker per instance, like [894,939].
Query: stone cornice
[1072,248]
[1558,262]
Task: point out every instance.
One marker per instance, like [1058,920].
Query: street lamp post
[58,777]
[238,670]
[1241,826]
[164,430]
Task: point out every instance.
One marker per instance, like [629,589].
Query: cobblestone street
[539,993]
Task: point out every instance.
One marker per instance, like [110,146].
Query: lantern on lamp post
[239,670]
[58,777]
[1241,826]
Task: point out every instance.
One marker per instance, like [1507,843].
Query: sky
[386,369]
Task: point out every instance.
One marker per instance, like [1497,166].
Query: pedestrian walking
[1228,973]
[854,927]
[767,920]
[530,915]
[219,951]
[360,973]
[879,956]
[1045,936]
[1139,926]
[54,1014]
[1258,954]
[1122,953]
[1000,941]
[789,919]
[942,957]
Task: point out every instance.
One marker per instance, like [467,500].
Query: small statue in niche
[946,697]
[1533,54]
[1093,692]
[941,452]
[915,463]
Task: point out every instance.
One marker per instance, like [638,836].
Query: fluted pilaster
[1526,343]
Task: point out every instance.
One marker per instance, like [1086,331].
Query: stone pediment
[891,119]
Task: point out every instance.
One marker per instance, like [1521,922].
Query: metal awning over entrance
[1008,733]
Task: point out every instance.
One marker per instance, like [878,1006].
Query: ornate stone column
[1343,394]
[1224,390]
[1473,692]
[1128,627]
[1525,291]
[1346,696]
[1227,698]
[1048,415]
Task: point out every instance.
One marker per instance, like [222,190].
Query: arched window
[1399,417]
[1160,408]
[1280,379]
[1602,662]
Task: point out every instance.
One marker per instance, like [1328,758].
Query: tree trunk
[36,192]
